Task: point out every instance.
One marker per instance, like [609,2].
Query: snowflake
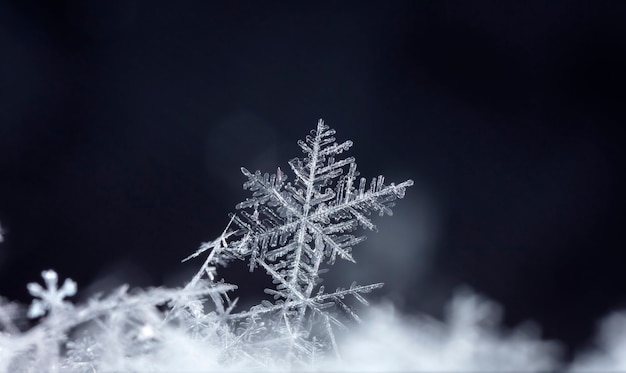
[50,298]
[291,229]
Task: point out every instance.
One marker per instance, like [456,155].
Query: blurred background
[123,125]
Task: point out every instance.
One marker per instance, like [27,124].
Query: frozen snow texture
[110,333]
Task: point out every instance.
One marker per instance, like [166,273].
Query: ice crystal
[291,229]
[50,298]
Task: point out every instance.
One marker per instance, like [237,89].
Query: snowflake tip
[36,309]
[50,277]
[69,287]
[245,171]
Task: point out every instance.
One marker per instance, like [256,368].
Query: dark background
[123,125]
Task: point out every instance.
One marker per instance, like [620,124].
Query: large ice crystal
[290,230]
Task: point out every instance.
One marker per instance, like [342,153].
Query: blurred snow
[609,352]
[469,339]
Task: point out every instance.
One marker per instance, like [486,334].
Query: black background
[123,125]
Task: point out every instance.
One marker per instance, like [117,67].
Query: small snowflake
[51,297]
